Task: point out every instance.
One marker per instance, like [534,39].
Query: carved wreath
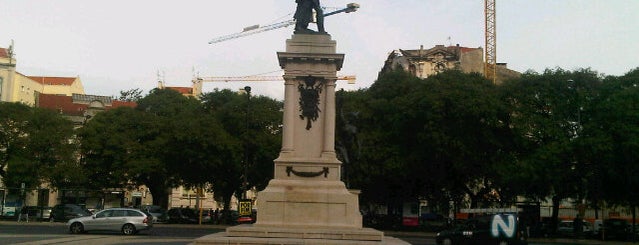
[310,90]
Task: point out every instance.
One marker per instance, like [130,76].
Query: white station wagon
[126,220]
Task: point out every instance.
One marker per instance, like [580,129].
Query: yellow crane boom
[350,79]
[198,81]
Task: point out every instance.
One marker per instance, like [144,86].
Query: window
[191,193]
[119,213]
[104,214]
[134,213]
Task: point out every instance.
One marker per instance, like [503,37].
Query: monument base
[309,204]
[254,235]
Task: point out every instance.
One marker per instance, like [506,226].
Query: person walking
[24,212]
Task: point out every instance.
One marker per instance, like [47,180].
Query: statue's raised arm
[304,16]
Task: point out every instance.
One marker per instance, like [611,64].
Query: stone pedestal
[306,202]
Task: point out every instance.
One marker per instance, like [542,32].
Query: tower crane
[490,65]
[198,81]
[351,7]
[349,78]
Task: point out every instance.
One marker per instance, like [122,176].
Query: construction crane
[197,81]
[349,78]
[490,66]
[351,7]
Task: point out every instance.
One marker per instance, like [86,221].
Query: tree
[438,138]
[613,139]
[255,123]
[548,112]
[13,139]
[127,147]
[35,145]
[381,168]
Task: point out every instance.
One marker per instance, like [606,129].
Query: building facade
[7,71]
[423,63]
[17,87]
[65,95]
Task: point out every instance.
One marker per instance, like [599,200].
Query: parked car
[615,229]
[39,213]
[65,212]
[182,216]
[208,215]
[434,222]
[129,221]
[566,228]
[497,229]
[159,214]
[229,217]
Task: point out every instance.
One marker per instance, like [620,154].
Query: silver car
[129,221]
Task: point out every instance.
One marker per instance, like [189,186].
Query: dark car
[229,217]
[65,212]
[498,229]
[566,228]
[182,216]
[434,222]
[615,229]
[159,214]
[39,213]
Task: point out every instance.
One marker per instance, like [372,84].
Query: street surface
[41,233]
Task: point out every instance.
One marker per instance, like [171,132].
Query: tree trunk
[555,214]
[160,196]
[634,218]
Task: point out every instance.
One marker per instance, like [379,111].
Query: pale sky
[119,45]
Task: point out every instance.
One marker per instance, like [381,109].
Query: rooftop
[182,90]
[4,53]
[66,81]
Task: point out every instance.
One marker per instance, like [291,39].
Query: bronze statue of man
[304,15]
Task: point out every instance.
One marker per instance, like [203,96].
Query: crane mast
[490,65]
[351,7]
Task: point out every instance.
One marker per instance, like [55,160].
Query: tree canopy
[449,138]
[170,140]
[36,147]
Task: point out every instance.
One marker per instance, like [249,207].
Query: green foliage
[435,138]
[36,147]
[614,137]
[171,140]
[255,124]
[144,146]
[559,134]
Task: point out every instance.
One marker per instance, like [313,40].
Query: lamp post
[247,89]
[246,205]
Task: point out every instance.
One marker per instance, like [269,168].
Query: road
[41,233]
[56,233]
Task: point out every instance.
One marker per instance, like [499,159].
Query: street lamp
[247,89]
